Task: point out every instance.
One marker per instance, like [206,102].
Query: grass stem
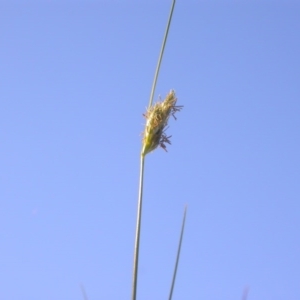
[138,230]
[140,196]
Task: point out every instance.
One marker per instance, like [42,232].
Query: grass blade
[161,54]
[178,254]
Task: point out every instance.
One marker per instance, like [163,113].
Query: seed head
[157,120]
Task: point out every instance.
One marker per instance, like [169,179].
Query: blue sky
[75,79]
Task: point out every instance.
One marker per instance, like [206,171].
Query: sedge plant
[154,135]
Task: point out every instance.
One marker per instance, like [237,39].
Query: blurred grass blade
[178,254]
[83,292]
[245,293]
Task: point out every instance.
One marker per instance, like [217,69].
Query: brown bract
[157,120]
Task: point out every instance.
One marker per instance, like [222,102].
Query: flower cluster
[157,121]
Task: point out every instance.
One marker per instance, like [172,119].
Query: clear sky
[75,79]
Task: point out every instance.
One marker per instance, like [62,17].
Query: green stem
[138,230]
[140,198]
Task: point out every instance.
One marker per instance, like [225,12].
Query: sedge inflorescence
[157,117]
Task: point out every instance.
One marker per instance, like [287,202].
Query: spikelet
[157,120]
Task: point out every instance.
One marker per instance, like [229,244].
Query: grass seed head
[157,120]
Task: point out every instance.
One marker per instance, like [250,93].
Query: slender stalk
[178,254]
[161,54]
[140,197]
[138,230]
